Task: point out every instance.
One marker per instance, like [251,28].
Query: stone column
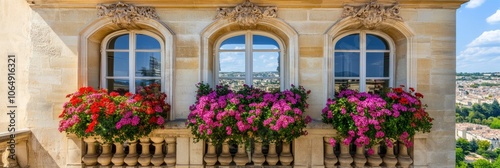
[119,155]
[105,158]
[225,157]
[211,157]
[389,158]
[286,156]
[404,159]
[90,158]
[170,158]
[131,159]
[360,158]
[330,158]
[241,157]
[345,158]
[145,157]
[157,159]
[374,160]
[258,157]
[272,156]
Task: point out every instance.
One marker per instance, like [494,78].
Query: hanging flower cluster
[367,118]
[114,117]
[250,113]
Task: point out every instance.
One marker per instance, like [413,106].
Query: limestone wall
[45,41]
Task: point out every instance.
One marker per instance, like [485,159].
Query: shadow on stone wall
[39,156]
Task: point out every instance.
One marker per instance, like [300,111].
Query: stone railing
[15,143]
[174,147]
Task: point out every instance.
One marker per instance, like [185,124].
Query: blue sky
[478,36]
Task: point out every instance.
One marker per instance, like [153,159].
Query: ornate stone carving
[372,14]
[124,15]
[246,14]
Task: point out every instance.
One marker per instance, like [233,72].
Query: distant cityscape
[477,88]
[268,81]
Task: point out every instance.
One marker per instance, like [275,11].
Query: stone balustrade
[174,147]
[18,140]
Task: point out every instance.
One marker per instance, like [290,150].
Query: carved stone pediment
[246,14]
[372,14]
[124,15]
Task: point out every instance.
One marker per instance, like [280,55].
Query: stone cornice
[447,4]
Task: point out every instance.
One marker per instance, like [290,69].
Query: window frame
[249,50]
[132,57]
[363,54]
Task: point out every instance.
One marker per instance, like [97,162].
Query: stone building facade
[59,45]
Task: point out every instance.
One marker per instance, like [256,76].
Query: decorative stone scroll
[246,14]
[372,14]
[124,15]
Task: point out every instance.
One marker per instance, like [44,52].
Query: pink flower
[370,151]
[332,142]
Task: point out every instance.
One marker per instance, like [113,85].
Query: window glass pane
[139,83]
[350,42]
[377,64]
[267,84]
[117,63]
[118,85]
[263,42]
[146,42]
[232,64]
[346,64]
[352,84]
[233,43]
[235,84]
[376,85]
[374,42]
[148,64]
[119,42]
[266,64]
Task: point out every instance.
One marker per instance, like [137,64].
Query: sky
[478,36]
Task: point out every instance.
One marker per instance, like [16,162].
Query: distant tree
[479,109]
[473,146]
[459,155]
[496,163]
[463,144]
[483,144]
[482,163]
[495,108]
[495,124]
[490,155]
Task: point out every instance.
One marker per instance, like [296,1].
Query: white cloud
[482,54]
[474,3]
[487,38]
[495,18]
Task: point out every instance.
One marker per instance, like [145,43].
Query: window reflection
[263,42]
[233,43]
[341,84]
[118,85]
[148,64]
[376,85]
[377,64]
[347,64]
[119,42]
[374,42]
[117,63]
[350,42]
[146,42]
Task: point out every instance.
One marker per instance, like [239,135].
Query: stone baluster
[374,159]
[145,157]
[225,157]
[272,156]
[210,157]
[258,157]
[345,158]
[403,158]
[1,156]
[119,155]
[286,156]
[157,159]
[359,157]
[171,152]
[90,158]
[131,159]
[389,159]
[105,158]
[330,158]
[241,157]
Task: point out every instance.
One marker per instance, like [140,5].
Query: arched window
[131,59]
[363,61]
[252,58]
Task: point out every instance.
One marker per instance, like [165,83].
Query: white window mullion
[362,82]
[131,62]
[249,58]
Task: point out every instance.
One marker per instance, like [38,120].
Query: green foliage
[495,124]
[473,146]
[482,163]
[483,144]
[463,144]
[496,163]
[461,164]
[459,155]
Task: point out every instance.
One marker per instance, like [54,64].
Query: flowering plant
[408,115]
[238,116]
[357,117]
[114,117]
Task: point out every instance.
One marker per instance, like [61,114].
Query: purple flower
[135,120]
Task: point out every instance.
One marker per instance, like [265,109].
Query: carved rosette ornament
[372,14]
[124,15]
[246,14]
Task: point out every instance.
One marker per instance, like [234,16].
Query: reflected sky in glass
[377,64]
[349,42]
[117,63]
[119,42]
[347,64]
[146,42]
[233,43]
[374,42]
[263,42]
